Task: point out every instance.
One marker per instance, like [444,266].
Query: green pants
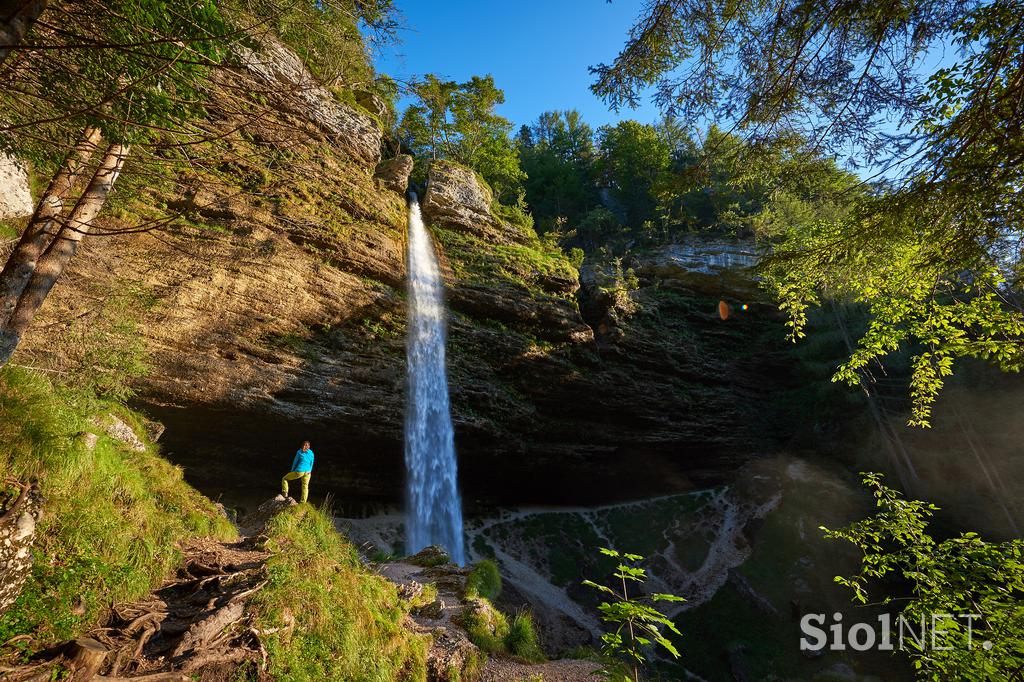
[304,476]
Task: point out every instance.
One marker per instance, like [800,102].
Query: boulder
[280,68]
[432,611]
[394,173]
[154,429]
[457,197]
[88,439]
[373,103]
[118,429]
[256,521]
[15,197]
[453,656]
[18,520]
[430,556]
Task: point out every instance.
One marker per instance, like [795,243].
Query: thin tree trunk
[61,250]
[16,22]
[43,226]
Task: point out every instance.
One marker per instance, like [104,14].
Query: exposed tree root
[23,489]
[194,627]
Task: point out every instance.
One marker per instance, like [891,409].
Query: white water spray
[434,512]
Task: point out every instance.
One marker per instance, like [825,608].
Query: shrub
[484,581]
[943,581]
[637,624]
[491,631]
[517,214]
[576,257]
[521,640]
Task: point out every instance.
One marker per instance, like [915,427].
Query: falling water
[434,515]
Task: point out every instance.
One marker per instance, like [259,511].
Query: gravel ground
[506,670]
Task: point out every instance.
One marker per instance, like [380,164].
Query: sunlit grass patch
[347,621]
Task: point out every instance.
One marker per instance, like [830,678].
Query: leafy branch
[637,624]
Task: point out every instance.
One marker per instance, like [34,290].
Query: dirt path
[194,627]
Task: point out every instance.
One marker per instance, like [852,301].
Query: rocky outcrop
[451,655]
[116,428]
[724,266]
[284,75]
[454,621]
[18,519]
[15,196]
[457,197]
[254,522]
[372,103]
[394,173]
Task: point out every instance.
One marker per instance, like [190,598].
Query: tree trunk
[18,526]
[43,226]
[16,22]
[60,251]
[85,658]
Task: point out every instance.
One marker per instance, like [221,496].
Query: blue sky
[538,51]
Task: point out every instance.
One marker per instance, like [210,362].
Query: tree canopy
[458,121]
[633,184]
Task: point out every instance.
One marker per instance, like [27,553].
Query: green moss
[348,621]
[113,518]
[486,627]
[389,325]
[529,266]
[472,666]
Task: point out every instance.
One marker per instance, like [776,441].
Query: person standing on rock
[302,469]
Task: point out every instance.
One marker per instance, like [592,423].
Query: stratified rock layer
[282,72]
[280,316]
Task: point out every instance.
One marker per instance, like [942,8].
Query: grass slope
[347,621]
[112,518]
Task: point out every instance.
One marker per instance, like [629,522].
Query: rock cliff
[279,315]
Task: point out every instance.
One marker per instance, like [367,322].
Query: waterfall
[434,510]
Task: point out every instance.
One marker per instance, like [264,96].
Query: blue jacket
[303,461]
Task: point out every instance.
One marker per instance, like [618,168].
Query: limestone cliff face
[280,315]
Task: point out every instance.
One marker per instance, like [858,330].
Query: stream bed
[748,557]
